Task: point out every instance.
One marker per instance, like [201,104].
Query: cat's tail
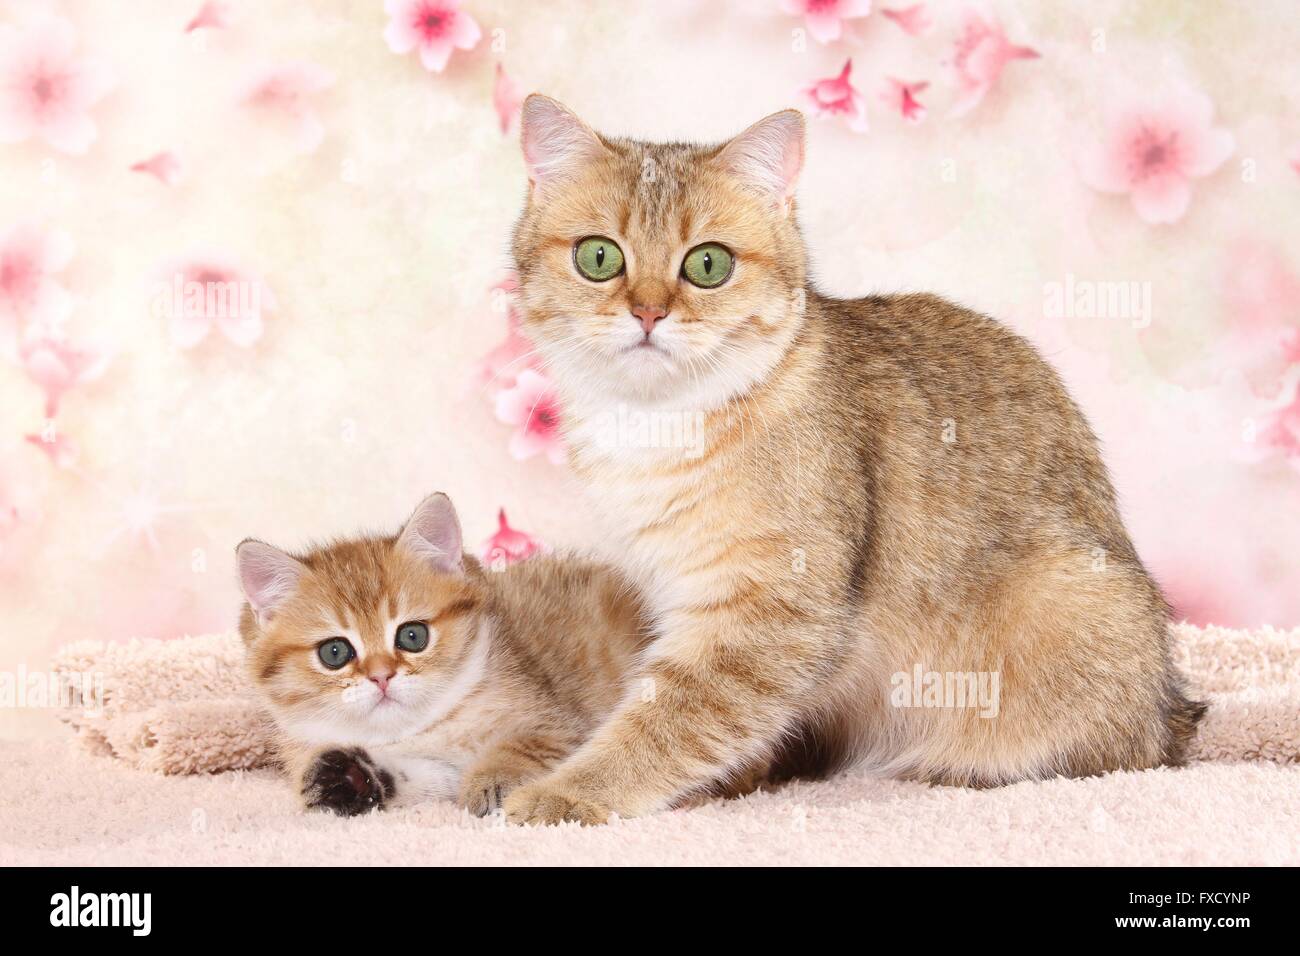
[1182,714]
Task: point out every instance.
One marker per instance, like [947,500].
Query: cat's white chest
[658,551]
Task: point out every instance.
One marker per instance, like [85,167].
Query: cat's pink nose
[382,680]
[649,315]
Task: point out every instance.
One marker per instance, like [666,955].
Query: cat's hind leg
[1076,643]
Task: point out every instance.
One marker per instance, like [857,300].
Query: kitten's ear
[433,535]
[769,155]
[268,577]
[556,143]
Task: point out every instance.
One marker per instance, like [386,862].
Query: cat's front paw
[346,782]
[484,789]
[545,803]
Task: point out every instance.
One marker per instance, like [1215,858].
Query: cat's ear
[556,143]
[433,535]
[768,156]
[268,577]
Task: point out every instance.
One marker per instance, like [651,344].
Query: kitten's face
[658,272]
[360,642]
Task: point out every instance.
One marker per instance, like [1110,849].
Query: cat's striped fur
[522,663]
[884,483]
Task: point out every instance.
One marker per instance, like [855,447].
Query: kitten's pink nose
[649,315]
[382,680]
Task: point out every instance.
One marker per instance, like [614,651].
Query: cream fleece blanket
[180,706]
[185,706]
[1239,804]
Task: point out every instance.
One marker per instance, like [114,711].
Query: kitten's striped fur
[885,482]
[521,665]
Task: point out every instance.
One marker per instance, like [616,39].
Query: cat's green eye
[598,258]
[708,265]
[413,636]
[335,652]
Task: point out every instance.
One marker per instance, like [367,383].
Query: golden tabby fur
[883,484]
[520,666]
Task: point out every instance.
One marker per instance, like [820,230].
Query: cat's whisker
[526,357]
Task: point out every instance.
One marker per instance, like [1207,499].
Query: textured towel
[186,706]
[1252,681]
[180,706]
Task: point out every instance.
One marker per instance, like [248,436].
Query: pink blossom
[1279,431]
[22,498]
[837,97]
[58,447]
[57,366]
[213,15]
[209,290]
[1153,152]
[286,94]
[1260,290]
[1261,296]
[532,406]
[1283,431]
[46,90]
[435,27]
[9,517]
[507,99]
[902,97]
[502,365]
[915,20]
[508,546]
[982,52]
[165,166]
[1295,159]
[29,258]
[825,17]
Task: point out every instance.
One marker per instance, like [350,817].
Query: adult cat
[884,485]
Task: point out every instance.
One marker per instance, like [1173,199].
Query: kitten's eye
[598,258]
[335,652]
[707,265]
[413,636]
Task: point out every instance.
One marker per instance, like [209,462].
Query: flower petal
[465,32]
[188,328]
[525,444]
[242,329]
[825,27]
[434,55]
[1103,166]
[1207,150]
[1162,199]
[401,35]
[70,133]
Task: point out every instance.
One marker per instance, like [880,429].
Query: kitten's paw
[545,803]
[484,791]
[346,782]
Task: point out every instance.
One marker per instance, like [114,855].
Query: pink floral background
[253,273]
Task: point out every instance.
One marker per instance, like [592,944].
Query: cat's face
[367,641]
[658,272]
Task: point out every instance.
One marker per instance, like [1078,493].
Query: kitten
[398,670]
[883,484]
